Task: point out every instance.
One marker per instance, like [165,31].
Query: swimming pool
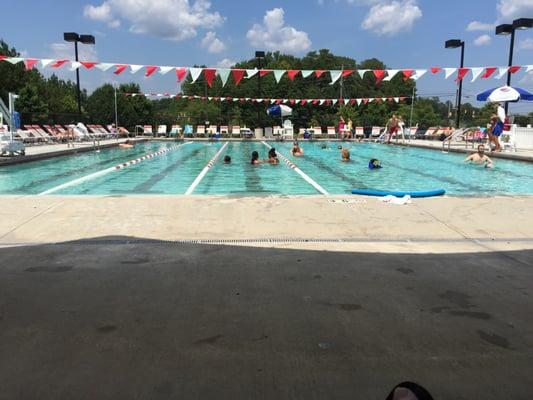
[174,170]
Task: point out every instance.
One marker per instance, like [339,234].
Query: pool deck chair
[188,130]
[277,132]
[26,137]
[429,133]
[317,132]
[412,131]
[332,133]
[212,130]
[148,130]
[175,131]
[38,138]
[161,130]
[269,133]
[235,131]
[359,132]
[200,130]
[376,132]
[44,134]
[224,130]
[436,134]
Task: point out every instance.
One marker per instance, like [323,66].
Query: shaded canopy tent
[505,94]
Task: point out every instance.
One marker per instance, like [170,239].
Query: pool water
[404,168]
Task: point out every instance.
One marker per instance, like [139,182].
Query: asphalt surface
[109,320]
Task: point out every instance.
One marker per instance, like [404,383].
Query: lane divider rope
[296,169]
[206,169]
[106,171]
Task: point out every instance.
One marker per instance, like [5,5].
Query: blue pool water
[173,172]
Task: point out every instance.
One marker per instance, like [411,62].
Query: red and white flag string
[210,74]
[303,102]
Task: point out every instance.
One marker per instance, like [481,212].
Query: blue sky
[402,33]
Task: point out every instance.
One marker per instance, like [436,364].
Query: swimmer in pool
[272,157]
[126,145]
[227,159]
[345,154]
[297,150]
[480,157]
[374,164]
[255,158]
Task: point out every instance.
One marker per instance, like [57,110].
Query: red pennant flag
[2,57]
[30,63]
[210,74]
[292,101]
[389,99]
[315,102]
[150,69]
[120,68]
[303,102]
[514,69]
[402,98]
[347,72]
[229,98]
[241,99]
[379,74]
[407,73]
[263,72]
[434,70]
[319,72]
[279,101]
[59,63]
[352,101]
[181,73]
[88,64]
[461,73]
[365,101]
[292,73]
[377,100]
[328,102]
[488,72]
[238,74]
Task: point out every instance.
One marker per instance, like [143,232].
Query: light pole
[259,55]
[75,38]
[510,29]
[453,44]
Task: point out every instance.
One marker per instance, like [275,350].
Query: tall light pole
[259,55]
[74,37]
[510,29]
[453,44]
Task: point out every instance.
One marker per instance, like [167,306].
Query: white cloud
[168,19]
[511,9]
[483,40]
[526,44]
[65,51]
[273,34]
[392,17]
[479,26]
[212,43]
[226,63]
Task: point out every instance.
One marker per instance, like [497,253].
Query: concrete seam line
[204,171]
[296,169]
[50,207]
[106,171]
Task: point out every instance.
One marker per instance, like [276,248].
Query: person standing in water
[480,157]
[272,156]
[255,158]
[296,150]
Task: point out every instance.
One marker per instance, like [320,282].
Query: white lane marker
[106,171]
[293,166]
[205,170]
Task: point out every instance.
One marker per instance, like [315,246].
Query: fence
[522,137]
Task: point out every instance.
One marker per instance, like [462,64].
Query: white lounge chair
[268,132]
[376,132]
[359,132]
[175,131]
[317,132]
[236,131]
[212,130]
[161,130]
[200,130]
[332,133]
[224,130]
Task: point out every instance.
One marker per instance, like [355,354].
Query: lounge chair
[161,130]
[277,132]
[200,130]
[95,131]
[26,137]
[268,132]
[429,133]
[412,131]
[359,132]
[175,131]
[317,132]
[236,131]
[212,130]
[147,130]
[188,130]
[224,131]
[332,133]
[377,134]
[44,134]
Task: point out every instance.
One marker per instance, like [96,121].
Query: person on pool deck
[227,159]
[480,157]
[345,154]
[374,164]
[272,157]
[255,158]
[496,127]
[126,145]
[296,150]
[392,127]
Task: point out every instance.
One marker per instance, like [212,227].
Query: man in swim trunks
[392,127]
[480,157]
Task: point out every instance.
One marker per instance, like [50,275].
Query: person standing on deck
[392,127]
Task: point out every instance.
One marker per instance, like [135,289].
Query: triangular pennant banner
[278,73]
[59,63]
[365,100]
[335,75]
[448,72]
[150,69]
[291,73]
[321,101]
[346,101]
[358,101]
[135,68]
[501,72]
[434,70]
[195,73]
[104,66]
[46,62]
[251,72]
[334,101]
[319,72]
[475,73]
[514,69]
[306,73]
[165,70]
[391,73]
[461,73]
[30,63]
[209,74]
[396,99]
[379,74]
[418,74]
[181,73]
[88,64]
[120,68]
[264,72]
[224,75]
[303,102]
[362,72]
[407,73]
[488,72]
[347,72]
[238,74]
[529,68]
[15,60]
[74,65]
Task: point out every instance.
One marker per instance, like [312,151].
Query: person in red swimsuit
[392,127]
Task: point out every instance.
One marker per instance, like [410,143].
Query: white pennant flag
[164,70]
[321,101]
[272,101]
[104,66]
[346,101]
[278,73]
[235,99]
[418,74]
[135,68]
[306,73]
[370,100]
[46,62]
[335,75]
[529,68]
[285,101]
[222,99]
[224,75]
[74,65]
[251,72]
[396,99]
[358,101]
[14,60]
[448,72]
[209,98]
[501,72]
[362,72]
[195,73]
[259,100]
[476,71]
[390,74]
[334,101]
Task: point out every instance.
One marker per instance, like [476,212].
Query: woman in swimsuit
[255,158]
[273,157]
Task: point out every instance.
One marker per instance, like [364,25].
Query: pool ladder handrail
[455,134]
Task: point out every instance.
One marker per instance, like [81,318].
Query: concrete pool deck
[337,223]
